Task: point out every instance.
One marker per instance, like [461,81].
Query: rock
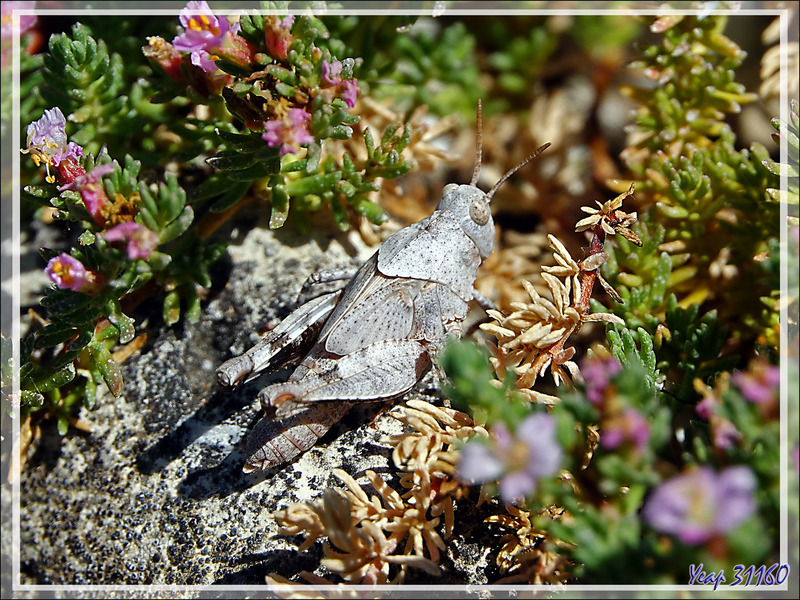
[155,494]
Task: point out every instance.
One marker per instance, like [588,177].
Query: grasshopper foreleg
[324,281]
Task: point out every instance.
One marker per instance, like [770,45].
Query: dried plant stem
[589,277]
[212,221]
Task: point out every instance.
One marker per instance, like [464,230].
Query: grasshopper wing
[435,249]
[381,370]
[386,313]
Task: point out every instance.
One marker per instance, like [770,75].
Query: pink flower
[67,273]
[701,504]
[92,193]
[350,92]
[47,141]
[597,374]
[629,426]
[289,133]
[7,33]
[760,383]
[705,408]
[277,35]
[332,77]
[724,434]
[522,459]
[331,72]
[141,241]
[204,33]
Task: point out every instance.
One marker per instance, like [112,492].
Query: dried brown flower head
[516,256]
[532,337]
[367,535]
[523,557]
[611,218]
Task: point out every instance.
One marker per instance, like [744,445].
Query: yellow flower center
[202,23]
[518,456]
[63,271]
[39,157]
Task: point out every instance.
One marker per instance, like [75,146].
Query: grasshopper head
[470,206]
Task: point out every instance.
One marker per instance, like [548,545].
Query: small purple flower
[289,133]
[629,426]
[332,77]
[760,384]
[67,273]
[724,434]
[478,463]
[332,72]
[350,92]
[521,460]
[141,241]
[47,141]
[92,193]
[597,373]
[701,504]
[203,34]
[705,408]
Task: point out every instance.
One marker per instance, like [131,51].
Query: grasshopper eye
[479,211]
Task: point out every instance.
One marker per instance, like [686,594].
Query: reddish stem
[589,277]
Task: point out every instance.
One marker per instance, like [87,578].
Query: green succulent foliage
[372,39]
[635,350]
[90,86]
[78,340]
[694,187]
[602,38]
[692,171]
[695,66]
[791,132]
[188,271]
[130,31]
[58,381]
[641,276]
[678,342]
[606,541]
[437,70]
[523,49]
[692,348]
[30,78]
[469,385]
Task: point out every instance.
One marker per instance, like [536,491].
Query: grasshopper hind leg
[274,442]
[301,410]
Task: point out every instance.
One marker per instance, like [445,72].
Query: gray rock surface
[155,494]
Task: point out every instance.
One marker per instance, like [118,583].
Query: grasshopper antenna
[478,146]
[503,179]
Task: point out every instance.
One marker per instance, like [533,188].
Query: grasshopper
[375,336]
